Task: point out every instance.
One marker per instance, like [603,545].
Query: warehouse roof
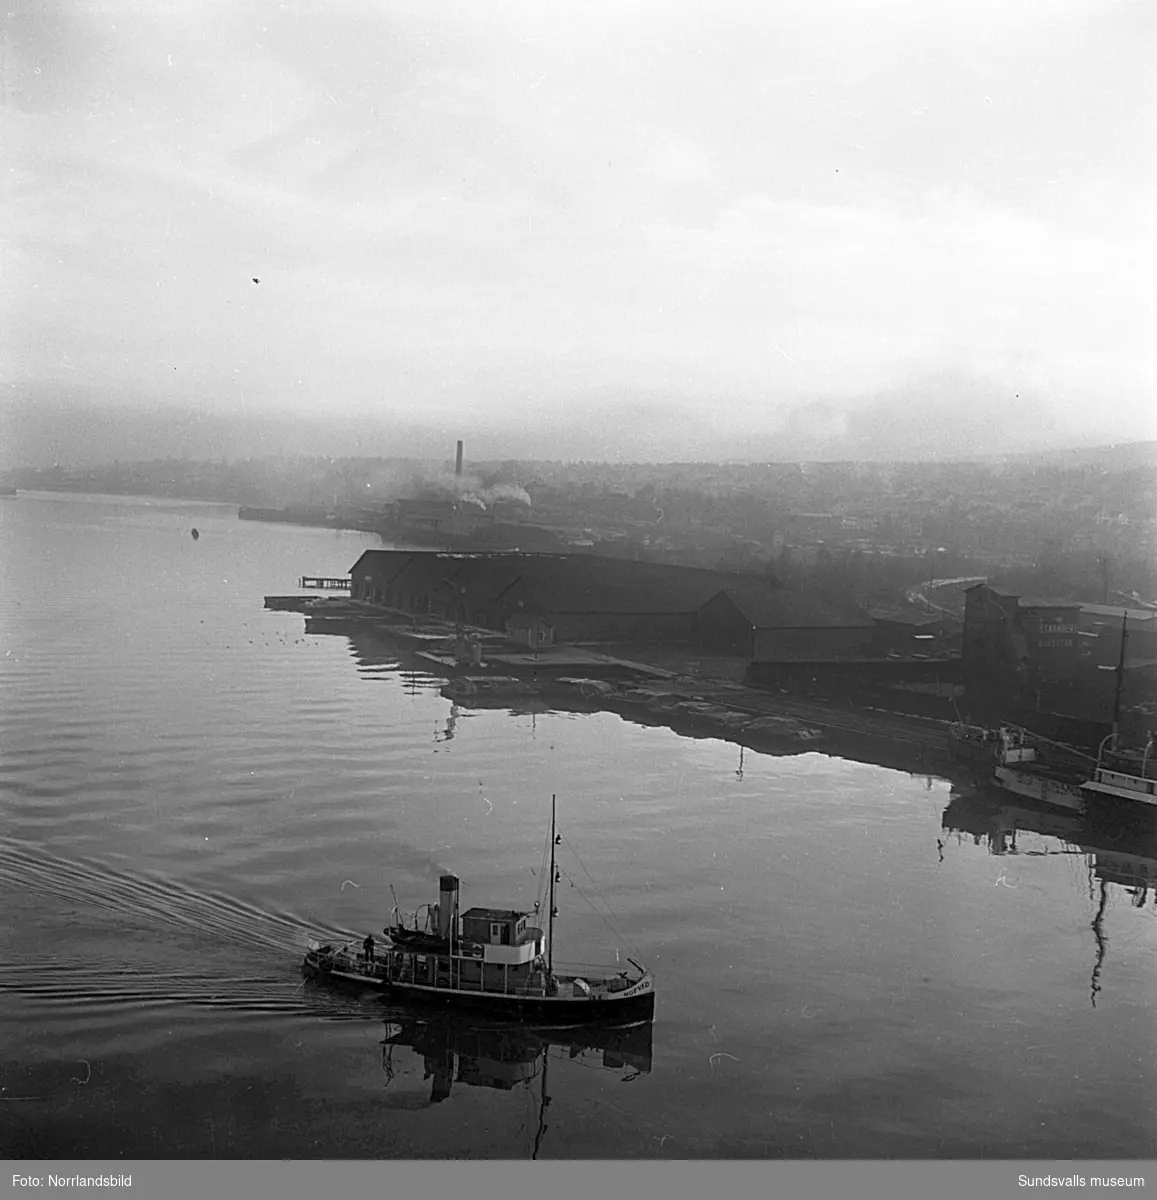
[1117,614]
[559,583]
[785,609]
[904,616]
[1026,601]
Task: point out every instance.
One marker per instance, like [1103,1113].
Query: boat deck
[568,983]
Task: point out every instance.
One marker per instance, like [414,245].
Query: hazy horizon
[70,436]
[623,232]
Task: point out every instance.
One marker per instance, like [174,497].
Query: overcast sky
[659,229]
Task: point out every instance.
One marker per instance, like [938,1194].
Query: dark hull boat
[489,960]
[566,998]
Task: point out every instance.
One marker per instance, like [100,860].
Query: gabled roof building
[581,597]
[780,626]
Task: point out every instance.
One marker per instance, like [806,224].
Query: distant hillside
[76,431]
[38,429]
[1118,457]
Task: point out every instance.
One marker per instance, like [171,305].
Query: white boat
[1121,786]
[1020,770]
[1108,783]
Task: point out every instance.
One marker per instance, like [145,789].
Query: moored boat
[1016,762]
[491,959]
[1112,783]
[1111,778]
[1021,770]
[973,743]
[1119,785]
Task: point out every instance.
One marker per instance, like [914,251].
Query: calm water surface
[191,786]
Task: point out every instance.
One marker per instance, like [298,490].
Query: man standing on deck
[368,947]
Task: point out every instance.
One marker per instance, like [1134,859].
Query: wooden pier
[320,583]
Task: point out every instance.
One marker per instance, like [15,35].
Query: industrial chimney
[448,906]
[458,461]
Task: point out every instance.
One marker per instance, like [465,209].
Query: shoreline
[902,741]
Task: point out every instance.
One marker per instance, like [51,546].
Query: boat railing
[404,968]
[537,986]
[1133,783]
[594,970]
[1011,755]
[1107,744]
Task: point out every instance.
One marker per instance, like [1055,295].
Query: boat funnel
[448,906]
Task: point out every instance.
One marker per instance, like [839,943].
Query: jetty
[324,583]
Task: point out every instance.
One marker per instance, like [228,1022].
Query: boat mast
[1120,679]
[550,901]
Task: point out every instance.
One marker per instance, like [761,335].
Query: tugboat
[491,959]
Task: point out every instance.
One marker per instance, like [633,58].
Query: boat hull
[636,1002]
[1115,785]
[1044,789]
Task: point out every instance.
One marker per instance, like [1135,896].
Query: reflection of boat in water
[1118,851]
[1121,851]
[491,959]
[504,1056]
